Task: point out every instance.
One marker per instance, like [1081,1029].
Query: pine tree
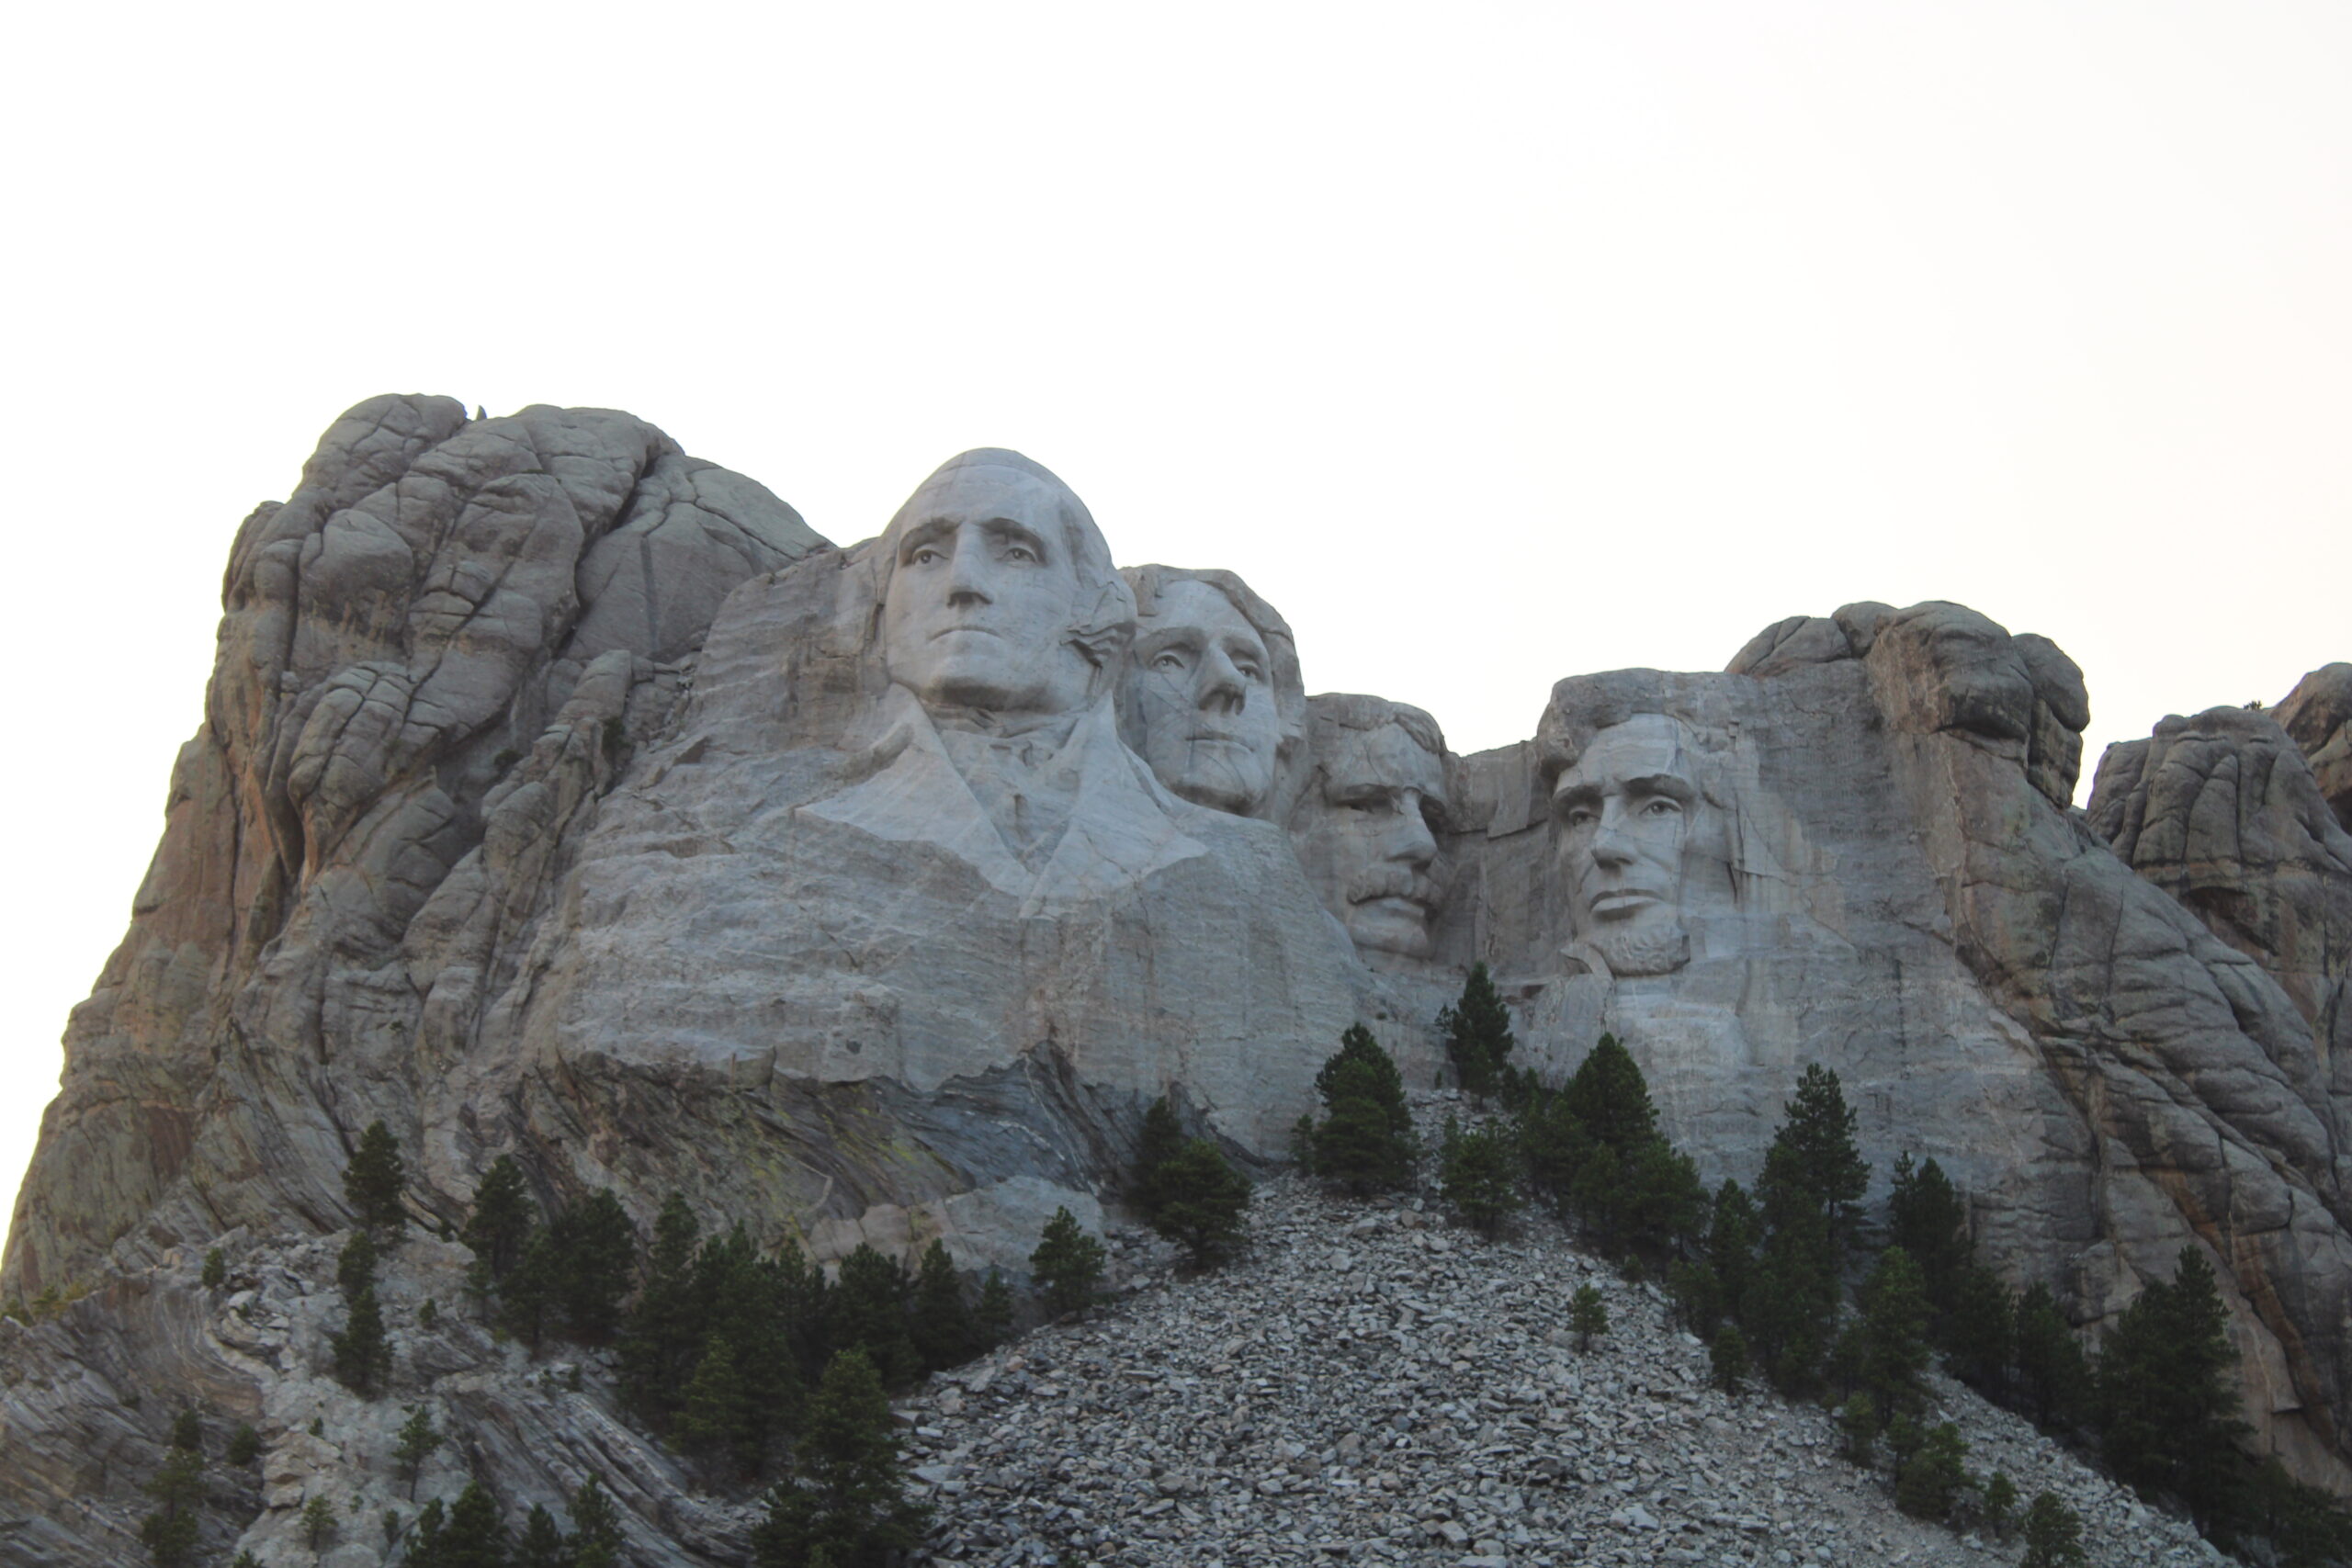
[1733,1230]
[170,1532]
[244,1445]
[992,1321]
[1068,1263]
[2000,1502]
[354,1267]
[476,1537]
[867,1311]
[1928,1218]
[216,1270]
[500,1225]
[1479,1175]
[752,1303]
[1587,1314]
[425,1548]
[416,1445]
[531,1295]
[1478,1037]
[1610,1099]
[363,1356]
[942,1324]
[542,1545]
[1161,1140]
[1980,1329]
[595,1539]
[1789,1305]
[1932,1479]
[715,1416]
[665,1328]
[1203,1200]
[843,1500]
[1816,1136]
[1365,1140]
[374,1180]
[2168,1406]
[318,1517]
[1892,1332]
[2054,1535]
[1727,1358]
[2053,1374]
[596,1249]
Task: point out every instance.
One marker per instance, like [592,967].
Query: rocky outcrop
[564,797]
[433,657]
[2317,715]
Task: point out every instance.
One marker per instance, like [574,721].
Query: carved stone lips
[1619,902]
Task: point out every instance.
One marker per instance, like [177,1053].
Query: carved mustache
[1394,882]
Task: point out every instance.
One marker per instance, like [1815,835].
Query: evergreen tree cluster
[1187,1189]
[1364,1141]
[1478,1038]
[471,1532]
[1593,1151]
[170,1532]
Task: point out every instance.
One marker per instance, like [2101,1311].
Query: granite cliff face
[559,796]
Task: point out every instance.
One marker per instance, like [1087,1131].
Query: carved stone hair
[1351,710]
[1584,705]
[1106,617]
[1290,685]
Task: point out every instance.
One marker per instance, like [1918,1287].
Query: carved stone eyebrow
[1674,787]
[925,533]
[1583,792]
[1003,528]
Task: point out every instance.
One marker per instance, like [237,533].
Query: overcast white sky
[1492,343]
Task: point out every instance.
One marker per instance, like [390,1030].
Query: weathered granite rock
[1854,849]
[2318,715]
[2223,812]
[560,796]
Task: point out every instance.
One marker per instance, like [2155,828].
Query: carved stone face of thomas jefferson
[984,592]
[1627,810]
[1202,689]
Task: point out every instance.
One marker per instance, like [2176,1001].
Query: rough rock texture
[2223,812]
[1373,1387]
[2318,715]
[561,796]
[1878,873]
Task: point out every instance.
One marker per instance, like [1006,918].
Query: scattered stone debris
[1372,1385]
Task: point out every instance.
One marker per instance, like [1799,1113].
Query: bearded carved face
[1628,812]
[1369,842]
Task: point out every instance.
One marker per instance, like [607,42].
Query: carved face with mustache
[1368,839]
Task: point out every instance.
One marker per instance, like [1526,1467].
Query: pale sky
[1492,343]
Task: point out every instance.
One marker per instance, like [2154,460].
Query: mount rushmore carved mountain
[561,796]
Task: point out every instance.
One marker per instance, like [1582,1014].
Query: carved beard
[1655,949]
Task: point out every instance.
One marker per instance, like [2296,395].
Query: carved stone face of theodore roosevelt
[1367,830]
[1627,812]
